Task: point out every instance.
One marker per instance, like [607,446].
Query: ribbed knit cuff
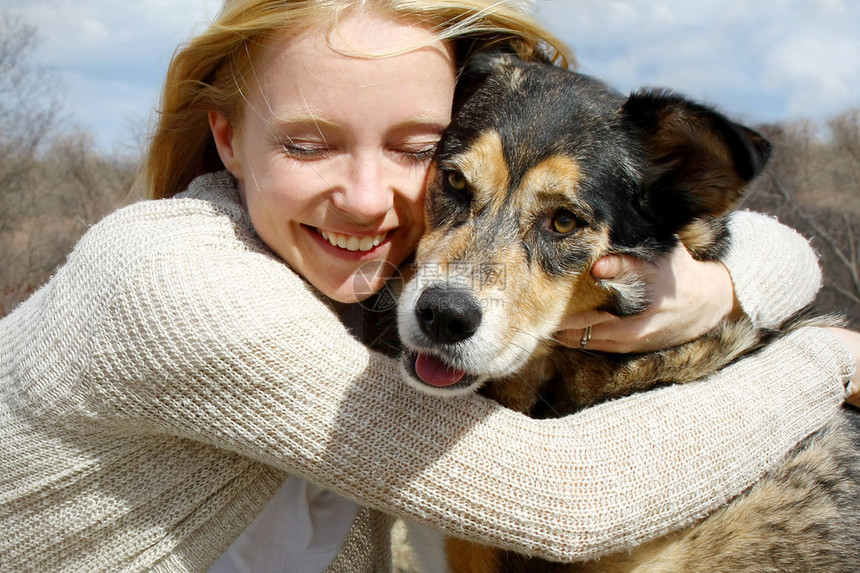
[774,270]
[823,349]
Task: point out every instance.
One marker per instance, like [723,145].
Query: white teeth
[351,242]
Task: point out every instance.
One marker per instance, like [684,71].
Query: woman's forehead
[371,43]
[361,34]
[307,73]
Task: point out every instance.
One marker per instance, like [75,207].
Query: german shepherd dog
[541,173]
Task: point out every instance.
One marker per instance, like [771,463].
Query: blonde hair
[207,72]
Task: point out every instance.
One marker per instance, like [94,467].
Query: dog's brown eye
[456,180]
[564,222]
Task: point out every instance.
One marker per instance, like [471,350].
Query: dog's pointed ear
[701,161]
[477,70]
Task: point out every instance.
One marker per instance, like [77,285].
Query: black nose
[448,315]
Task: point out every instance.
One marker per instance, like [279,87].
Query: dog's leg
[467,557]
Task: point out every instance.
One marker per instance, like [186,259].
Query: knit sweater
[159,388]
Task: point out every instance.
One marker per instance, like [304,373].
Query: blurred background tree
[54,183]
[813,184]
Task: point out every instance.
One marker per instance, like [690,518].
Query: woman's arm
[228,347]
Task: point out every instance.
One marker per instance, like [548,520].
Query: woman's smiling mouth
[352,242]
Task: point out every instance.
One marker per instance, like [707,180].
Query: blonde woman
[183,393]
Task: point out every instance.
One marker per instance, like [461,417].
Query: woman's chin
[356,288]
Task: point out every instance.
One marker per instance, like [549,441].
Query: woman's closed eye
[305,150]
[420,152]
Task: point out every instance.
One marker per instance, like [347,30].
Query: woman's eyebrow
[301,120]
[428,123]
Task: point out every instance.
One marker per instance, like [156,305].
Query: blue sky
[763,61]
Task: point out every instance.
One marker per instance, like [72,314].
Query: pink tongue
[435,372]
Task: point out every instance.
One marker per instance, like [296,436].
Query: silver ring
[586,336]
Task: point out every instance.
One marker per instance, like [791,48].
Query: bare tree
[52,185]
[27,113]
[28,110]
[813,184]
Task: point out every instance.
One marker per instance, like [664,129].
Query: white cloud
[765,61]
[90,31]
[815,71]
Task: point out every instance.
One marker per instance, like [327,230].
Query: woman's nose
[367,192]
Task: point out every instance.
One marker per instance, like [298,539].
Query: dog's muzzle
[446,315]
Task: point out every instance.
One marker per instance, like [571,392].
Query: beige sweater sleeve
[773,268]
[208,337]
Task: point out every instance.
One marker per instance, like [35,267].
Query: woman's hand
[688,298]
[852,340]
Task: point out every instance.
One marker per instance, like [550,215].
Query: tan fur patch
[698,235]
[534,298]
[485,169]
[556,174]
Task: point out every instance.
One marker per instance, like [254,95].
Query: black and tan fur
[542,172]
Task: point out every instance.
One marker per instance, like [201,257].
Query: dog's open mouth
[435,372]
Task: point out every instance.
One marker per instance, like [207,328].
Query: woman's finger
[583,319]
[572,337]
[611,266]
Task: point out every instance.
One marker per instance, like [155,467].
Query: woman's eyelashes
[305,150]
[421,152]
[310,151]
